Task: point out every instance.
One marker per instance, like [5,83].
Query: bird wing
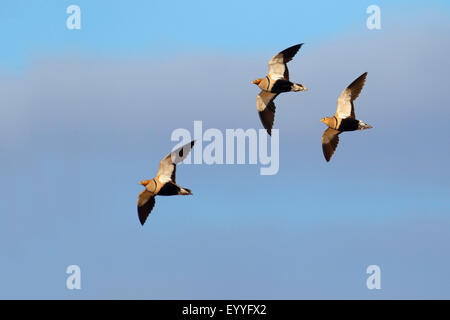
[167,166]
[146,202]
[277,65]
[345,106]
[330,140]
[266,109]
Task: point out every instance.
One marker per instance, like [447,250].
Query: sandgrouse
[164,183]
[344,118]
[276,82]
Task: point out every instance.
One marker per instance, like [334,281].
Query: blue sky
[156,28]
[86,114]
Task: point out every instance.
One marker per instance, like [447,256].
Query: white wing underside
[344,105]
[167,165]
[263,99]
[277,70]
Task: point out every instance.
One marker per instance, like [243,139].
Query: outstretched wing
[345,106]
[277,65]
[167,166]
[266,109]
[146,202]
[330,140]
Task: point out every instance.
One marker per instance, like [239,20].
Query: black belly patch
[348,125]
[281,86]
[169,189]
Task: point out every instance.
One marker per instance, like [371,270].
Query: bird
[344,119]
[276,82]
[164,184]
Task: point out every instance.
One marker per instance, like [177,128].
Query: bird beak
[256,81]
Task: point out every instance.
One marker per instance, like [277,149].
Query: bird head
[257,81]
[326,120]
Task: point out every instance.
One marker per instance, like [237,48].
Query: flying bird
[164,184]
[344,119]
[276,82]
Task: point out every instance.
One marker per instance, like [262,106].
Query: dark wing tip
[181,152]
[326,152]
[357,85]
[361,77]
[145,209]
[142,216]
[290,52]
[267,117]
[296,47]
[330,141]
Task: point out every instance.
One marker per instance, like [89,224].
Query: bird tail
[185,192]
[363,126]
[298,87]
